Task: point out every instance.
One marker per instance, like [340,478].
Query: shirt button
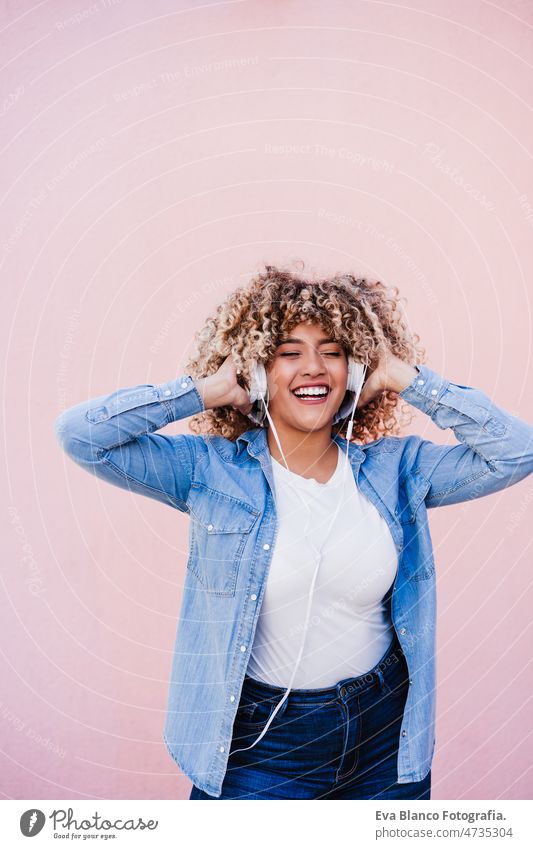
[222,749]
[402,630]
[404,733]
[253,596]
[266,546]
[243,648]
[167,392]
[232,698]
[184,384]
[410,680]
[210,527]
[433,391]
[420,382]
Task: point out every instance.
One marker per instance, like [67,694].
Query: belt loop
[381,680]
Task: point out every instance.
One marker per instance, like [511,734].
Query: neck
[302,449]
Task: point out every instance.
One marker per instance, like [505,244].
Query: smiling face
[307,378]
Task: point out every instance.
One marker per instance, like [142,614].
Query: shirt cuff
[425,390]
[174,393]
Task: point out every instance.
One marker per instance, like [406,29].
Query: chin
[310,427]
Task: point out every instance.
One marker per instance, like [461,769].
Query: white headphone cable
[318,553]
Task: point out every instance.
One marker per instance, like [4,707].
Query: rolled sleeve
[496,447]
[112,437]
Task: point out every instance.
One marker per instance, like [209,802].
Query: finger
[244,397]
[244,408]
[363,399]
[243,403]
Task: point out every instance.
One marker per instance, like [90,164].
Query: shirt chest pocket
[219,530]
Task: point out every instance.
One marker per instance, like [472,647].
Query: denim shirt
[226,487]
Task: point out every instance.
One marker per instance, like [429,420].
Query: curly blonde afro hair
[362,315]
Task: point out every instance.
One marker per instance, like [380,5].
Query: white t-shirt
[349,626]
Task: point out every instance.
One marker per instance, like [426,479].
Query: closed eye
[326,354]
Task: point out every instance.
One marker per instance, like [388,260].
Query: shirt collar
[256,441]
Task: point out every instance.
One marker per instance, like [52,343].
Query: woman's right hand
[222,389]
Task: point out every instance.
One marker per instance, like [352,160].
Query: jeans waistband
[389,671]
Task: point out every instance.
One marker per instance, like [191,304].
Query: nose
[313,364]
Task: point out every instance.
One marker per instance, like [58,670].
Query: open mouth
[311,395]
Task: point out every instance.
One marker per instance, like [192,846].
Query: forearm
[109,421]
[502,441]
[399,374]
[213,391]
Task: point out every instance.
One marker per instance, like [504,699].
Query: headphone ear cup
[356,372]
[258,393]
[258,382]
[262,380]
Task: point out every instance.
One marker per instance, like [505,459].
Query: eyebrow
[293,340]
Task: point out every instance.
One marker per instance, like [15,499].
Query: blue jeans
[337,742]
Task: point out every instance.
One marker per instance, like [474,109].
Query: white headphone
[259,393]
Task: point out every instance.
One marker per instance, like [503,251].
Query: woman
[304,665]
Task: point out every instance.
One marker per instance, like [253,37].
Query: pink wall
[156,154]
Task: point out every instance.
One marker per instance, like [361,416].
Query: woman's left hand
[391,373]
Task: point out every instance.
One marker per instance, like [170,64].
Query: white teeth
[311,390]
